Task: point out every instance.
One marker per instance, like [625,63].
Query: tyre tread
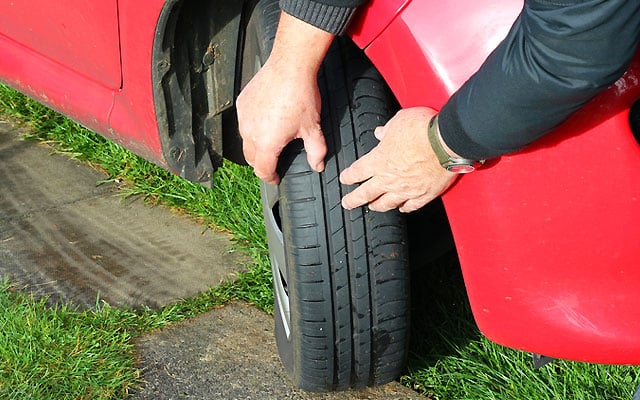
[348,266]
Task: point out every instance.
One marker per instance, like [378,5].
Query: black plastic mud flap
[636,395]
[540,361]
[195,80]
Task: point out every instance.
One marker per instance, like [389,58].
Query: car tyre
[341,278]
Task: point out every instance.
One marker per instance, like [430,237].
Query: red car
[546,237]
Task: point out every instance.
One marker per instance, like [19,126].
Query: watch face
[461,168]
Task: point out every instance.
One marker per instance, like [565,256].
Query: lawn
[61,353]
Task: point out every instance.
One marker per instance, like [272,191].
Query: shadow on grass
[441,316]
[449,358]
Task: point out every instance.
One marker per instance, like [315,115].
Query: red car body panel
[372,19]
[59,32]
[69,58]
[55,85]
[133,120]
[547,238]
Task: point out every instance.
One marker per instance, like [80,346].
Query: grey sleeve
[329,15]
[557,56]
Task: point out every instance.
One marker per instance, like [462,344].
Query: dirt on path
[229,353]
[64,235]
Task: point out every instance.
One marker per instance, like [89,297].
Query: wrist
[299,47]
[331,18]
[447,158]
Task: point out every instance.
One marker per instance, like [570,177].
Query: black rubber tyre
[341,278]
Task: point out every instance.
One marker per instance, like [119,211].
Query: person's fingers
[360,170]
[415,204]
[385,202]
[249,151]
[379,132]
[316,148]
[264,166]
[364,194]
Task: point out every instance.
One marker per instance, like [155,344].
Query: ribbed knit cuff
[333,19]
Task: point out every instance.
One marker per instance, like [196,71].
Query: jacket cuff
[333,19]
[456,136]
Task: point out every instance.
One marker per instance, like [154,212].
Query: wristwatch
[456,164]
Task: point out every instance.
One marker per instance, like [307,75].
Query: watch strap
[434,140]
[454,164]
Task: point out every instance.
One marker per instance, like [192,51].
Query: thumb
[316,149]
[379,132]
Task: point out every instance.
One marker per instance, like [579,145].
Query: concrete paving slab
[65,236]
[229,354]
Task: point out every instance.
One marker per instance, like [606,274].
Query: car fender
[547,237]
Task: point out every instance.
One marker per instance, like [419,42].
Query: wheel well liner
[195,81]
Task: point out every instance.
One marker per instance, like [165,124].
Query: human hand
[402,171]
[272,111]
[282,101]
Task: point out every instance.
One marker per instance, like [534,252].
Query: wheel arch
[195,81]
[529,287]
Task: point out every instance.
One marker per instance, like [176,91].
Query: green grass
[452,360]
[60,353]
[234,205]
[56,353]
